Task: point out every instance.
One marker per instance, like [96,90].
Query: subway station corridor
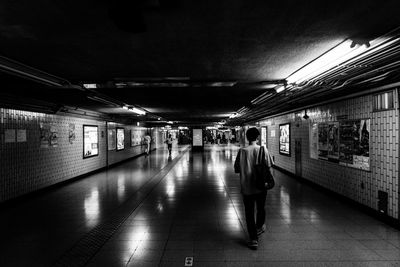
[159,210]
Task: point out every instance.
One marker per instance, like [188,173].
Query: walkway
[137,215]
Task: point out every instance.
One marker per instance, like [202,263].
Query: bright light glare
[330,59]
[90,85]
[135,110]
[92,208]
[233,115]
[280,89]
[138,111]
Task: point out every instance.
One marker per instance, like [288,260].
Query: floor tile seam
[165,245]
[90,235]
[226,188]
[183,152]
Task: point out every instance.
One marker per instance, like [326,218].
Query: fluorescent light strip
[376,45]
[90,85]
[323,63]
[337,56]
[280,89]
[138,111]
[22,70]
[233,115]
[134,110]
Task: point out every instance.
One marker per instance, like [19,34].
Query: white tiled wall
[26,167]
[384,152]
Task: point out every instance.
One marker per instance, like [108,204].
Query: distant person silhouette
[169,143]
[147,140]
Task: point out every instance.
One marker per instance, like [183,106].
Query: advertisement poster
[333,141]
[44,135]
[120,138]
[361,155]
[314,140]
[90,141]
[112,139]
[21,136]
[323,141]
[71,133]
[135,138]
[9,136]
[349,139]
[53,136]
[364,142]
[284,139]
[354,143]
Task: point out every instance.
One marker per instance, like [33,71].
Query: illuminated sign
[284,139]
[197,137]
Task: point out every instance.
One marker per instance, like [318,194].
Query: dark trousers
[250,202]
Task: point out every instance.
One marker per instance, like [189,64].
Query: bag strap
[260,155]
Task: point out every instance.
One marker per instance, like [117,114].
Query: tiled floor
[191,209]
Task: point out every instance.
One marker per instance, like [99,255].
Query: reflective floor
[191,208]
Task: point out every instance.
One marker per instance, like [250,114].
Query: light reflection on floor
[91,206]
[196,210]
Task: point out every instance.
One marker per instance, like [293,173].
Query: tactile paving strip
[81,253]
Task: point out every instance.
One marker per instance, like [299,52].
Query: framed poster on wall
[120,139]
[264,136]
[90,141]
[284,139]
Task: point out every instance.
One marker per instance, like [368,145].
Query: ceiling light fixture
[280,89]
[233,115]
[21,70]
[221,84]
[138,111]
[342,54]
[329,59]
[135,110]
[90,85]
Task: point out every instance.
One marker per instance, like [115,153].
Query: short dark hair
[252,134]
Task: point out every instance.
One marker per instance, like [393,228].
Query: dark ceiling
[174,57]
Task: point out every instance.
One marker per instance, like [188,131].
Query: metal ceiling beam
[23,71]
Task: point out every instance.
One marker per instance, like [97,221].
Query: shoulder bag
[264,178]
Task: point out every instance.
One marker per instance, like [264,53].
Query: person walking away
[147,139]
[218,138]
[245,162]
[169,143]
[223,139]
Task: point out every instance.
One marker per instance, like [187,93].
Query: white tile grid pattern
[27,167]
[384,152]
